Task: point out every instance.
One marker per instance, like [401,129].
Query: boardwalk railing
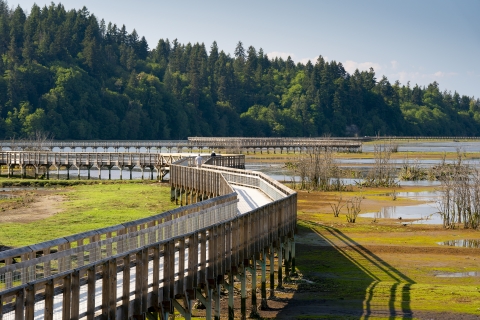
[170,259]
[87,160]
[190,144]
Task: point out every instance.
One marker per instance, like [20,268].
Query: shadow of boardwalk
[344,280]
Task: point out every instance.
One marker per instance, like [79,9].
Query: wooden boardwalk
[193,143]
[45,161]
[230,222]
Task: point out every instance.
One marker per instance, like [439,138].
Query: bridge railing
[169,225]
[86,158]
[259,180]
[272,142]
[164,256]
[229,161]
[209,182]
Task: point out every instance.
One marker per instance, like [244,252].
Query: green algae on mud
[382,268]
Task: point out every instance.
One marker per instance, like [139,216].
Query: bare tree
[459,202]
[383,172]
[353,208]
[336,207]
[318,170]
[38,141]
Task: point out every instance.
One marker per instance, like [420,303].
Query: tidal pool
[465,243]
[458,274]
[425,213]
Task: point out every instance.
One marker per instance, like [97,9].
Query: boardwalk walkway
[231,219]
[198,143]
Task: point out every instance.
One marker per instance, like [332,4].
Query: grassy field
[83,207]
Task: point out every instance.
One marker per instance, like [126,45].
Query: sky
[420,41]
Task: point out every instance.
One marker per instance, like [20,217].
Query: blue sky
[418,41]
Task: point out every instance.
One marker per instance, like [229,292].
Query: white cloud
[394,64]
[351,66]
[283,55]
[312,60]
[416,76]
[440,74]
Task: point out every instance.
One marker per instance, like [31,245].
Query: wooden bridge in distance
[193,143]
[149,162]
[230,222]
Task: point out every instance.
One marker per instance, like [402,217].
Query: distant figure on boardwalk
[198,160]
[213,154]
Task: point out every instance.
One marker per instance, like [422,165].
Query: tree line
[69,74]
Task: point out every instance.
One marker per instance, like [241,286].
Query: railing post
[29,303]
[67,294]
[49,296]
[91,293]
[126,287]
[19,304]
[75,305]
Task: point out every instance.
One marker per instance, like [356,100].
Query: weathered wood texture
[217,238]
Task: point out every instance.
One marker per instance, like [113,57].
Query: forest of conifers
[75,77]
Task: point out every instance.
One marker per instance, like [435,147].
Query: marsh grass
[88,207]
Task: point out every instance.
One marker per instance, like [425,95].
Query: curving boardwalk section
[229,223]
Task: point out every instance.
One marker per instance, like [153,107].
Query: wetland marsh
[375,268]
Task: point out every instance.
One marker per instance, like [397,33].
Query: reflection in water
[425,213]
[458,274]
[466,243]
[432,146]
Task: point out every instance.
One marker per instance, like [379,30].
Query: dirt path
[31,206]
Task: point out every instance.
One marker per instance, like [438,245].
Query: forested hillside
[77,77]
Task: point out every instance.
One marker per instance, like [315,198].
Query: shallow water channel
[425,213]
